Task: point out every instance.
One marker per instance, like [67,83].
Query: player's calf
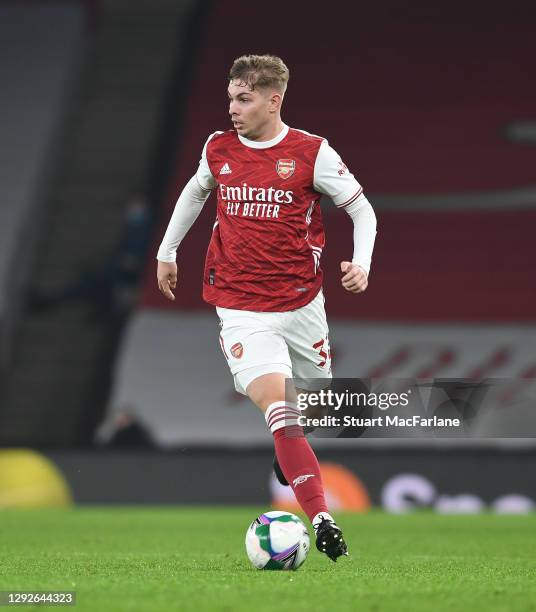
[279,473]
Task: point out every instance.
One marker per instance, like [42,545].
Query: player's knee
[267,389]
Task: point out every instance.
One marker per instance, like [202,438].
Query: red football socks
[296,457]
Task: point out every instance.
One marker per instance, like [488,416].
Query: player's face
[251,110]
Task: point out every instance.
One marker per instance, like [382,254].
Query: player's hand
[166,274]
[354,279]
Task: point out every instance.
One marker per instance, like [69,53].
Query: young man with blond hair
[262,270]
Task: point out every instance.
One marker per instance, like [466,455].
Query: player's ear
[274,101]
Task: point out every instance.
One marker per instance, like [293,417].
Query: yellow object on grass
[30,480]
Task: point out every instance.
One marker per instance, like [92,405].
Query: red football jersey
[264,254]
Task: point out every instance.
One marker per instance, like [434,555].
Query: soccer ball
[277,541]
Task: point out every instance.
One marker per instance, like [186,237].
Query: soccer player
[262,270]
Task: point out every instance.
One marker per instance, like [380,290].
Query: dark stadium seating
[36,80]
[82,109]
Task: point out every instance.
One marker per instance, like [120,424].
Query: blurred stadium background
[108,393]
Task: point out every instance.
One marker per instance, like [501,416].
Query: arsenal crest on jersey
[285,168]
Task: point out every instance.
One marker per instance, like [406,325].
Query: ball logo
[237,350]
[285,168]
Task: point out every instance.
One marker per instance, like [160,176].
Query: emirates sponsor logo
[247,193]
[285,168]
[237,350]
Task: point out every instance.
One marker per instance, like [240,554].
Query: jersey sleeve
[203,174]
[332,177]
[186,211]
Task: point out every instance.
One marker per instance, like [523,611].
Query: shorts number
[323,352]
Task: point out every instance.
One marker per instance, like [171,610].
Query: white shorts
[295,343]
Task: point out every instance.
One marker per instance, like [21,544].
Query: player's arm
[356,272]
[333,179]
[187,209]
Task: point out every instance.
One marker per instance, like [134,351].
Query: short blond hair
[260,71]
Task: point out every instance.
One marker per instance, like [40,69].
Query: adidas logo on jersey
[225,169]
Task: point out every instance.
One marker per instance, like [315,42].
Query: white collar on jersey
[265,144]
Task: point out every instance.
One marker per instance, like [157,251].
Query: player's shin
[297,459]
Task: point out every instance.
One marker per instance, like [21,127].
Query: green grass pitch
[193,559]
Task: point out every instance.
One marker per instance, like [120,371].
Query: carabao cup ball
[277,541]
